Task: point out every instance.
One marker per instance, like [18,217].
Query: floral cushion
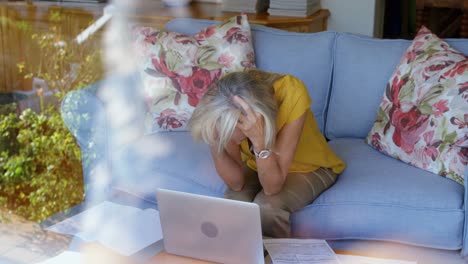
[177,69]
[422,119]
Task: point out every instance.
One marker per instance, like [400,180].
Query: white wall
[363,17]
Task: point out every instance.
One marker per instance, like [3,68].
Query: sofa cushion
[421,119]
[308,56]
[361,71]
[170,160]
[380,198]
[177,69]
[362,68]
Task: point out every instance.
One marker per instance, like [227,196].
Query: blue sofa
[375,198]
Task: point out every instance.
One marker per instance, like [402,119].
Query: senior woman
[266,144]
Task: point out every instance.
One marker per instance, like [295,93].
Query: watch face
[264,154]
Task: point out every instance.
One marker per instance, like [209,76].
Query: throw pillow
[422,119]
[177,69]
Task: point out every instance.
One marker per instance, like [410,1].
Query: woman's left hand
[251,124]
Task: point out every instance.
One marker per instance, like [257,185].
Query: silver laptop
[209,228]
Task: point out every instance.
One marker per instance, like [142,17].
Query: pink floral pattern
[423,117]
[177,69]
[169,119]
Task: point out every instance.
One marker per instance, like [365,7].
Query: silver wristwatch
[263,154]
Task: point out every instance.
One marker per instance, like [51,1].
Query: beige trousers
[299,190]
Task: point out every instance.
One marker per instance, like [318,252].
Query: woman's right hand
[237,137]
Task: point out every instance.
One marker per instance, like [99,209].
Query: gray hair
[215,117]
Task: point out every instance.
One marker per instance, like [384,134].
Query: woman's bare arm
[272,171]
[229,165]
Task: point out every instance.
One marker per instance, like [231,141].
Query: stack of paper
[300,251]
[248,6]
[315,251]
[296,8]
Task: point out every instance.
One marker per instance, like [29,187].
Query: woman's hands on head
[237,137]
[251,124]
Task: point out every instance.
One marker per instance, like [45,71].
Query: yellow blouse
[312,151]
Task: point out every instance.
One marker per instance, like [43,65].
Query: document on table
[68,257]
[96,215]
[349,259]
[300,251]
[124,229]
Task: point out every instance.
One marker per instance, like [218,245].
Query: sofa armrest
[80,110]
[464,250]
[103,117]
[83,114]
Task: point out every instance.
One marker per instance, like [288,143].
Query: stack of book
[248,6]
[296,8]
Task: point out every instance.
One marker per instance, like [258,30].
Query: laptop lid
[210,228]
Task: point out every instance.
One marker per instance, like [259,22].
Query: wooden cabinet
[19,20]
[461,22]
[155,14]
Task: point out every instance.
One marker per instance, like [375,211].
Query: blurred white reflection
[128,149]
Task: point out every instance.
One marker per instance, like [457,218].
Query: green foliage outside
[40,169]
[40,161]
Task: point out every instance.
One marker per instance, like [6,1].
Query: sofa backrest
[306,56]
[362,69]
[344,103]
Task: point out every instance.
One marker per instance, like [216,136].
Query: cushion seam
[330,93]
[386,206]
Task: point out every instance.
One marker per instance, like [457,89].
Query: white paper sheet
[349,259]
[124,229]
[129,233]
[300,251]
[98,214]
[67,257]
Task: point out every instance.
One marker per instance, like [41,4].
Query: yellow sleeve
[293,99]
